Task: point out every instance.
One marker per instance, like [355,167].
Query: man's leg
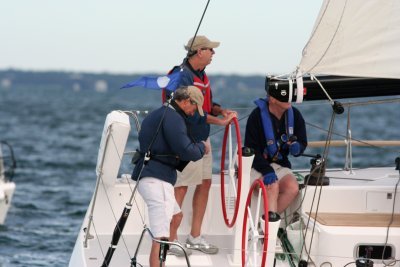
[288,190]
[155,255]
[273,196]
[180,193]
[200,199]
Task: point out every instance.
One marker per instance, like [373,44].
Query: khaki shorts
[196,171]
[279,171]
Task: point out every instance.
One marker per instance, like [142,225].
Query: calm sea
[55,134]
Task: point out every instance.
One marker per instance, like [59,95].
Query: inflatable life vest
[272,145]
[202,84]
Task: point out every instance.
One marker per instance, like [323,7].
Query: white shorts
[196,171]
[279,171]
[161,204]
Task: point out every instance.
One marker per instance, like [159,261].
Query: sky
[147,36]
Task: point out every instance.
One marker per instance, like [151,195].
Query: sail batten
[355,38]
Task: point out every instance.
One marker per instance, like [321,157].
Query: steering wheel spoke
[254,239]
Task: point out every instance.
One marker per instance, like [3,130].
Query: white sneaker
[177,250]
[199,243]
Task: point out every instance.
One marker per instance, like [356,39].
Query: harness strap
[272,145]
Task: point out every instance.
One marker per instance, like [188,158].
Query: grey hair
[181,93]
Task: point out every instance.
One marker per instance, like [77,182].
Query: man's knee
[177,219]
[294,187]
[206,184]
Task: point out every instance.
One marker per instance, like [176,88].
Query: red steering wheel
[254,238]
[233,169]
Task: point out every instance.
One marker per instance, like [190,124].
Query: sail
[355,38]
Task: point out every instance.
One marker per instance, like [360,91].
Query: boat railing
[7,162]
[349,142]
[107,136]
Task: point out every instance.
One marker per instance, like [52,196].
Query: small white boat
[7,186]
[350,218]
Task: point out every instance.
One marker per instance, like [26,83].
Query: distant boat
[342,217]
[7,186]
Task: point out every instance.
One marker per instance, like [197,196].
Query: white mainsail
[355,38]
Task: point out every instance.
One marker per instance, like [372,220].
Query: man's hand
[207,147]
[227,119]
[294,148]
[270,178]
[220,121]
[226,112]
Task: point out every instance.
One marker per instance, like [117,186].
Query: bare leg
[288,190]
[272,195]
[180,193]
[200,199]
[154,255]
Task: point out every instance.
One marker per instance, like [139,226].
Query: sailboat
[7,186]
[342,217]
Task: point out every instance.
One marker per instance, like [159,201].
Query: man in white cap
[200,52]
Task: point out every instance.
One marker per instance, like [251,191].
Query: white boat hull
[357,195]
[6,193]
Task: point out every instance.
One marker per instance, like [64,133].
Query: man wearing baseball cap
[200,52]
[168,150]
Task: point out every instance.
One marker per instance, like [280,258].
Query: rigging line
[136,119]
[323,89]
[325,159]
[98,239]
[115,218]
[312,172]
[352,139]
[95,193]
[315,28]
[138,127]
[391,219]
[371,102]
[349,151]
[108,199]
[223,128]
[198,27]
[319,185]
[331,41]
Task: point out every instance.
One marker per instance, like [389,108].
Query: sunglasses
[211,49]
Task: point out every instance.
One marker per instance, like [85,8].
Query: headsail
[355,38]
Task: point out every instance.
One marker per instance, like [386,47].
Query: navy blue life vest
[272,145]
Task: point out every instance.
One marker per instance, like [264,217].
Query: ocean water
[55,134]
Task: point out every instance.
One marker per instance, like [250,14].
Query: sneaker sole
[206,251]
[180,255]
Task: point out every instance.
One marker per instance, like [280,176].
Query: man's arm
[217,110]
[254,139]
[220,121]
[175,131]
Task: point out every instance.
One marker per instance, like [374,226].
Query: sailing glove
[294,148]
[270,178]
